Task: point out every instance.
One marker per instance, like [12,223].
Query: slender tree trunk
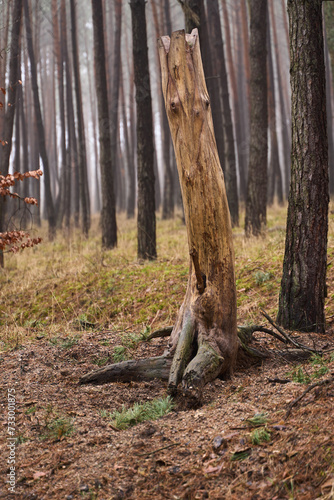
[256,203]
[3,65]
[213,81]
[168,183]
[114,94]
[285,112]
[241,51]
[40,127]
[230,163]
[274,174]
[301,302]
[145,151]
[34,189]
[108,213]
[236,106]
[12,88]
[83,181]
[94,127]
[329,112]
[131,173]
[71,150]
[61,102]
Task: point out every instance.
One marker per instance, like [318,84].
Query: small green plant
[259,436]
[69,342]
[261,277]
[101,361]
[58,428]
[320,363]
[152,410]
[21,439]
[299,375]
[258,420]
[120,354]
[31,410]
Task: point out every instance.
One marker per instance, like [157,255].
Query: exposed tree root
[182,354]
[195,362]
[142,369]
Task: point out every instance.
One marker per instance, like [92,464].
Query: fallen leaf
[38,474]
[211,470]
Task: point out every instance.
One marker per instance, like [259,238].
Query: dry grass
[71,284]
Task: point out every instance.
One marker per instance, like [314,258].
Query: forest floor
[68,308]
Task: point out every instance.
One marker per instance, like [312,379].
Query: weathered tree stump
[204,340]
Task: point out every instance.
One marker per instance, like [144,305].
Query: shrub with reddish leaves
[14,241]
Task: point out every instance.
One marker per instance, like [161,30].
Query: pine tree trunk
[114,85]
[213,81]
[204,338]
[131,174]
[145,152]
[11,92]
[108,214]
[274,172]
[230,162]
[329,112]
[284,107]
[61,103]
[168,194]
[301,303]
[40,127]
[236,104]
[82,157]
[256,202]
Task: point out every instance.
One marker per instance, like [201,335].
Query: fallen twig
[270,332]
[286,336]
[309,388]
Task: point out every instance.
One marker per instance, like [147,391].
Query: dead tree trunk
[207,318]
[204,340]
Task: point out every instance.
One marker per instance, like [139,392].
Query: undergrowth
[140,412]
[61,288]
[314,369]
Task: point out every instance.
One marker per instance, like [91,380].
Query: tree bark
[11,92]
[274,173]
[256,202]
[230,162]
[40,127]
[82,157]
[284,106]
[204,338]
[146,224]
[115,81]
[168,173]
[236,104]
[108,214]
[329,112]
[302,295]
